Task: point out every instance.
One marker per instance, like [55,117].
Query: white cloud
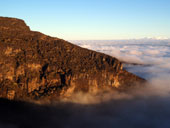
[144,51]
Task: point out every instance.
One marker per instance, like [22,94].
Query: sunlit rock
[35,66]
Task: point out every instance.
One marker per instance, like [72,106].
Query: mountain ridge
[37,66]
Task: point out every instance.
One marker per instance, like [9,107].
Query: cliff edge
[35,66]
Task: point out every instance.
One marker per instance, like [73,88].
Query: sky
[93,19]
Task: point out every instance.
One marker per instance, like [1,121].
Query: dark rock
[32,63]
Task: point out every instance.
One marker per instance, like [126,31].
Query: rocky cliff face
[34,66]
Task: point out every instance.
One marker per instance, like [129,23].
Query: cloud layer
[146,107]
[155,54]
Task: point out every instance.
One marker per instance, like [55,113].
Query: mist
[141,107]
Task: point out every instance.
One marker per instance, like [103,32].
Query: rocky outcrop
[33,65]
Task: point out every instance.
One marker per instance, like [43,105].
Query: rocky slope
[34,66]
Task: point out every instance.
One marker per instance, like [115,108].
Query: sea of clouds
[147,58]
[147,107]
[140,107]
[152,56]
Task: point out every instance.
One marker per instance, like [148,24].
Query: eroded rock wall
[33,65]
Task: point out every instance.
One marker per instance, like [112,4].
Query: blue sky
[93,19]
